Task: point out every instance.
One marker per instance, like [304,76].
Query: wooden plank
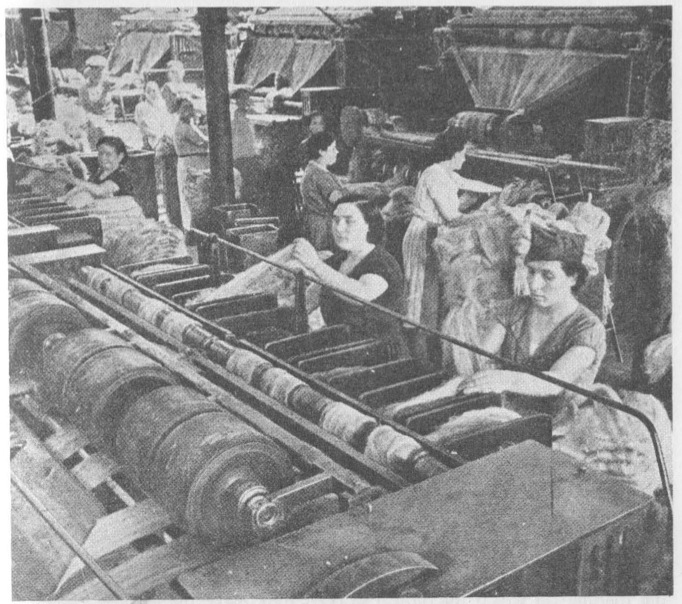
[149,569]
[23,240]
[94,470]
[91,253]
[120,529]
[34,544]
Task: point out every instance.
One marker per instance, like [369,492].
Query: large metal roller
[34,316]
[480,127]
[63,354]
[149,420]
[99,383]
[214,473]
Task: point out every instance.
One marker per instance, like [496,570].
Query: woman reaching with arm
[319,190]
[437,202]
[549,330]
[362,268]
[110,180]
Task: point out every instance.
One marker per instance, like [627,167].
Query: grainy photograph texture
[327,302]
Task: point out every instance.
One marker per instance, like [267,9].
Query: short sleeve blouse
[118,176]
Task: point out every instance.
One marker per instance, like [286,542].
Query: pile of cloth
[129,237]
[262,277]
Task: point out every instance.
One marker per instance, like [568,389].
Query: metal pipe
[73,545]
[658,449]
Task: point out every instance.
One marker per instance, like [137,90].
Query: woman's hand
[488,381]
[306,254]
[334,196]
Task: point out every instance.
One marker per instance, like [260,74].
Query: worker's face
[316,125]
[548,283]
[152,92]
[109,159]
[329,155]
[50,147]
[176,75]
[349,227]
[95,74]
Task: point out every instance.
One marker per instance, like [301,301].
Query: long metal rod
[658,449]
[449,458]
[73,545]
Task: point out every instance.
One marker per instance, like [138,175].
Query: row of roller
[214,473]
[382,443]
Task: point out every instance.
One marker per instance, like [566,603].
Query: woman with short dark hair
[320,189]
[437,202]
[110,179]
[362,268]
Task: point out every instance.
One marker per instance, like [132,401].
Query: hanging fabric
[264,56]
[307,58]
[141,48]
[530,79]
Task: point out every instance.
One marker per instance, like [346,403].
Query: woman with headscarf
[151,116]
[191,145]
[94,96]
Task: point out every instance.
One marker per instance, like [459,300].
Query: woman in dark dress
[362,268]
[111,179]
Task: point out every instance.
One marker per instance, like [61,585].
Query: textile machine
[221,450]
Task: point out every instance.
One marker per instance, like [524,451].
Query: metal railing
[301,278]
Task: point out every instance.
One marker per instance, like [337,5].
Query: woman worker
[191,145]
[549,331]
[362,268]
[94,96]
[438,201]
[111,179]
[320,189]
[151,116]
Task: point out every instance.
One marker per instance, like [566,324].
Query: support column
[212,22]
[38,62]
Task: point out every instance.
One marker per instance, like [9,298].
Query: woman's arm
[476,185]
[106,189]
[571,365]
[442,191]
[369,287]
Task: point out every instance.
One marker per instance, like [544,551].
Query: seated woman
[362,268]
[111,179]
[549,331]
